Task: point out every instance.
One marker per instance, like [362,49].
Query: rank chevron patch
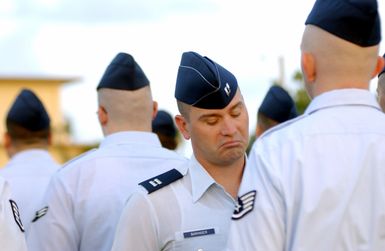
[16,215]
[245,205]
[40,213]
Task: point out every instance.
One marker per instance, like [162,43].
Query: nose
[228,126]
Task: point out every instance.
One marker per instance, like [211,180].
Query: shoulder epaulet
[162,180]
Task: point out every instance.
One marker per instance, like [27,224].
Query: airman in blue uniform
[189,208]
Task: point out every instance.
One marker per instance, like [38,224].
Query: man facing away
[26,141]
[190,209]
[164,126]
[83,202]
[317,182]
[276,107]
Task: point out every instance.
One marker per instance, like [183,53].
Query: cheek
[243,126]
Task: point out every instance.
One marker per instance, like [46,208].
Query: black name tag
[199,233]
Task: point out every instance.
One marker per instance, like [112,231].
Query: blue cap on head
[278,105]
[164,124]
[383,70]
[28,112]
[356,21]
[123,73]
[203,83]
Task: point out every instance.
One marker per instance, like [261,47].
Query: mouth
[232,144]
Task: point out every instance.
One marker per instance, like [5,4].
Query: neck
[228,176]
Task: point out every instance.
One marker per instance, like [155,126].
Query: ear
[7,140]
[49,139]
[379,66]
[102,115]
[258,131]
[308,66]
[181,123]
[154,109]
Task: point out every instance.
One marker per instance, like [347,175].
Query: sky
[72,38]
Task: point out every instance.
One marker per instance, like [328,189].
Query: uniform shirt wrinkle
[200,179]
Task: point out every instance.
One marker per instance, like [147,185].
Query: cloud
[103,11]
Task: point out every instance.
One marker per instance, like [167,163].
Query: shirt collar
[200,179]
[132,137]
[29,155]
[342,97]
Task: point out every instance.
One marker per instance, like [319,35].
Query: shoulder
[79,159]
[157,182]
[283,126]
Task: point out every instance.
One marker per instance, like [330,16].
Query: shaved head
[127,110]
[337,61]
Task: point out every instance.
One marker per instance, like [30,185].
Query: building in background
[48,90]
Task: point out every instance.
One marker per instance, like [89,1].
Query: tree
[301,98]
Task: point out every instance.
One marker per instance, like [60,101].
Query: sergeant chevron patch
[245,205]
[40,213]
[16,215]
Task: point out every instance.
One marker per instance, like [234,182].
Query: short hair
[265,122]
[21,135]
[168,142]
[184,109]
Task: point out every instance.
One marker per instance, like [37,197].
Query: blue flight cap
[203,83]
[356,21]
[28,112]
[163,123]
[278,105]
[123,73]
[383,70]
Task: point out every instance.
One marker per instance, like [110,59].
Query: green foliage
[301,97]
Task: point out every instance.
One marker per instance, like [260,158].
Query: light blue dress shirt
[192,213]
[87,195]
[319,180]
[28,173]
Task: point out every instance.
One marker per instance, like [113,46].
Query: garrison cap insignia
[40,213]
[245,205]
[16,215]
[162,180]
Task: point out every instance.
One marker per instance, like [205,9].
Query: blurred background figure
[26,141]
[277,107]
[163,125]
[381,88]
[85,198]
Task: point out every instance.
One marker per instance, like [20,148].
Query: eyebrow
[239,104]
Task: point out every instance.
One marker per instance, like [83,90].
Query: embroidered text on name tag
[199,233]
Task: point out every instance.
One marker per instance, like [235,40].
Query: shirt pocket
[205,239]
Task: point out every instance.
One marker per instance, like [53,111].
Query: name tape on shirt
[245,205]
[197,233]
[16,215]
